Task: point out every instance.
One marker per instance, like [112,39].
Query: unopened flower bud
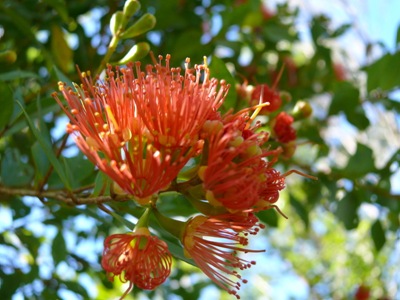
[116,22]
[8,56]
[144,24]
[130,8]
[302,110]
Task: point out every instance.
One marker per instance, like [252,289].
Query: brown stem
[60,195]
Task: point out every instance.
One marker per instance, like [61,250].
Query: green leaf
[219,70]
[14,172]
[341,30]
[60,49]
[346,97]
[77,288]
[61,76]
[101,185]
[347,211]
[40,161]
[60,7]
[6,104]
[398,38]
[384,73]
[269,217]
[59,248]
[175,204]
[378,235]
[80,168]
[17,74]
[301,211]
[361,163]
[47,150]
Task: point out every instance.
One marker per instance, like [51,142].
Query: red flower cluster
[142,128]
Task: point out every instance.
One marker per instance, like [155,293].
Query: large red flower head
[137,257]
[214,243]
[141,128]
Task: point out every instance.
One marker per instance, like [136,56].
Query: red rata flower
[283,128]
[141,129]
[234,166]
[237,174]
[214,242]
[137,257]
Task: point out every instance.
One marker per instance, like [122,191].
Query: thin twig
[60,195]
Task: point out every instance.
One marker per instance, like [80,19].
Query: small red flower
[339,72]
[362,293]
[283,128]
[214,243]
[265,94]
[137,257]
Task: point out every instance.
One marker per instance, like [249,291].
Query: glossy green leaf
[60,49]
[341,30]
[101,184]
[269,217]
[47,150]
[300,210]
[219,70]
[6,104]
[347,211]
[59,248]
[61,8]
[17,74]
[346,98]
[40,161]
[361,163]
[77,288]
[378,235]
[14,172]
[384,73]
[398,38]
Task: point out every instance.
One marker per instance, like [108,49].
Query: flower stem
[111,49]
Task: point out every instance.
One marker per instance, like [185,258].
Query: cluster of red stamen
[142,128]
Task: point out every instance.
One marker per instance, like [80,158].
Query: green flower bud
[130,8]
[302,110]
[137,52]
[8,56]
[144,24]
[116,22]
